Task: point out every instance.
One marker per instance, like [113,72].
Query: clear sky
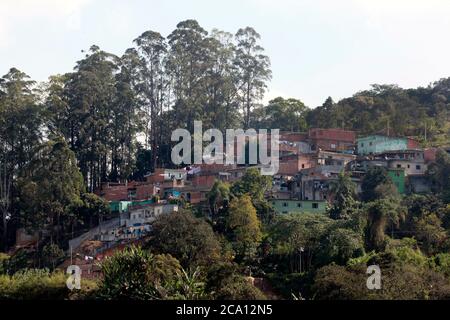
[318,48]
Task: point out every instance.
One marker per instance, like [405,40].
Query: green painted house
[378,144]
[122,206]
[398,178]
[298,206]
[119,206]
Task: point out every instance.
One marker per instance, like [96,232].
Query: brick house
[332,139]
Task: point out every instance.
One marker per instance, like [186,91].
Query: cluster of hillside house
[304,179]
[308,164]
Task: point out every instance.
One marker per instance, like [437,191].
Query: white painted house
[146,214]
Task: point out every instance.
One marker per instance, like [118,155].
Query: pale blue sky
[318,48]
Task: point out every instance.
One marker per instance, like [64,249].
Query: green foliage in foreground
[406,273]
[34,284]
[3,260]
[136,274]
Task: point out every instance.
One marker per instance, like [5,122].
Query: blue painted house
[378,144]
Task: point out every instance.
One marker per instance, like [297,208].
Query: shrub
[237,287]
[136,274]
[3,261]
[52,255]
[40,284]
[225,283]
[189,239]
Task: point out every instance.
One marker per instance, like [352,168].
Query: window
[131,194]
[418,167]
[315,205]
[273,202]
[362,145]
[299,205]
[303,166]
[285,212]
[409,166]
[399,166]
[285,204]
[370,143]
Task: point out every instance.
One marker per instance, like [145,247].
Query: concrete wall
[379,144]
[91,234]
[410,167]
[298,206]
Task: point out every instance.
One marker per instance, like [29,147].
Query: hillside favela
[97,205]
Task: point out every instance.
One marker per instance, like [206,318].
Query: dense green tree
[218,199]
[52,255]
[238,288]
[381,213]
[223,102]
[253,69]
[3,260]
[376,184]
[225,281]
[245,227]
[143,163]
[296,239]
[321,117]
[389,109]
[439,173]
[283,114]
[189,239]
[135,274]
[430,233]
[87,213]
[21,121]
[401,265]
[53,185]
[187,63]
[151,86]
[252,183]
[90,92]
[343,191]
[339,245]
[125,119]
[335,282]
